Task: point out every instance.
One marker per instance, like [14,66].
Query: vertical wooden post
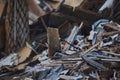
[53,41]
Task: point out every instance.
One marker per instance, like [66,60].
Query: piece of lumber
[110,25]
[91,48]
[53,41]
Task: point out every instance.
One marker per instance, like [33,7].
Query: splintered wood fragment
[91,48]
[67,77]
[72,36]
[23,54]
[110,25]
[53,41]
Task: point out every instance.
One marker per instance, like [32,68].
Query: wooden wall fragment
[17,29]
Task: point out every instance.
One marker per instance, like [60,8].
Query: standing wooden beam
[53,41]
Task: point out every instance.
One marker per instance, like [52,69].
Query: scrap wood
[72,59]
[23,54]
[110,60]
[50,65]
[112,26]
[77,66]
[53,41]
[91,48]
[83,68]
[97,58]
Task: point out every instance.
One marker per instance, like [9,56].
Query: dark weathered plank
[53,41]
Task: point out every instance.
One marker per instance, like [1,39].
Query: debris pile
[70,40]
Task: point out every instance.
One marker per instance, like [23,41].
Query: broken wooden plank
[23,54]
[53,41]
